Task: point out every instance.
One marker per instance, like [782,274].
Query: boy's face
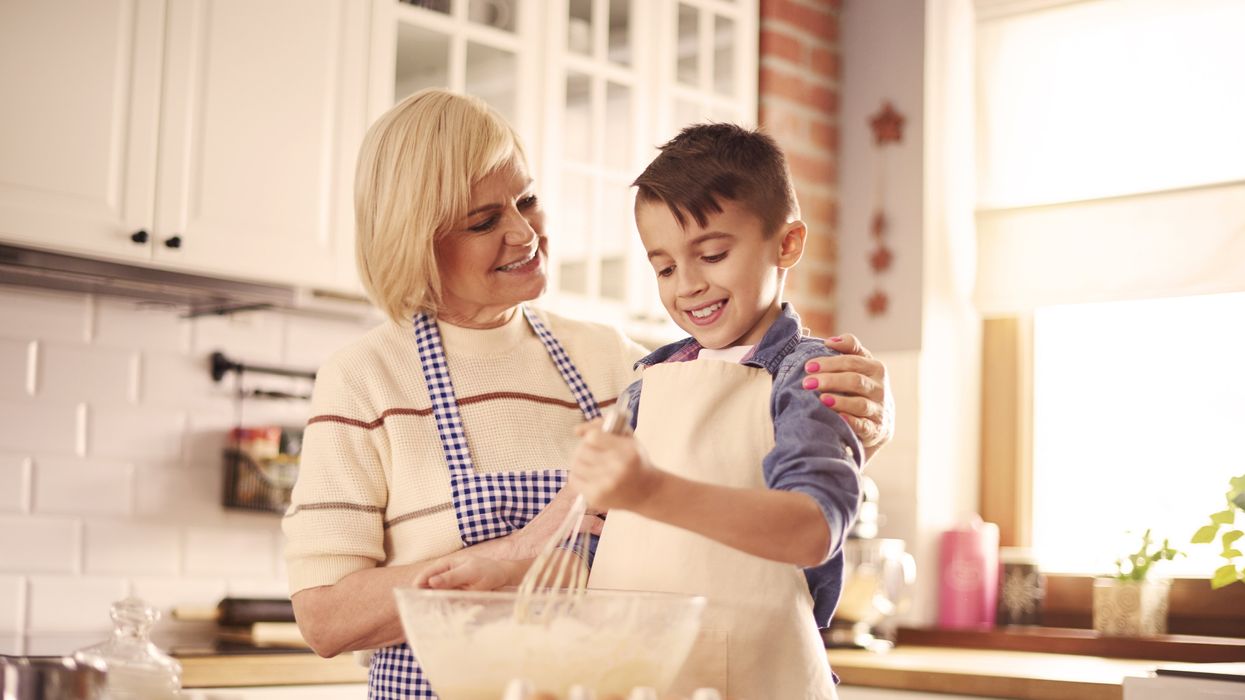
[722,283]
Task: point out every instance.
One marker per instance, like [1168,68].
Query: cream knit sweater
[373,486]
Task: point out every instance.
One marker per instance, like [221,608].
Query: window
[1110,228]
[1138,409]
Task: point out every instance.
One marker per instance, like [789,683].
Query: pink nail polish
[812,367]
[810,383]
[828,400]
[836,339]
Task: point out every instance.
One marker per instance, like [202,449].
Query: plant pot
[1130,608]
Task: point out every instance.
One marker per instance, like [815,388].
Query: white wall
[111,432]
[913,54]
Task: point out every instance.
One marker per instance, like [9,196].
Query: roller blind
[1111,151]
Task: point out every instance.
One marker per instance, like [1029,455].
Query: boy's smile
[721,282]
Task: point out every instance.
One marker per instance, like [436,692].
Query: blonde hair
[416,168]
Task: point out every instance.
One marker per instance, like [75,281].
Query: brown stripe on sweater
[418,514]
[335,505]
[478,398]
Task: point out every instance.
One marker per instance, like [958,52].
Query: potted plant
[1233,570]
[1132,603]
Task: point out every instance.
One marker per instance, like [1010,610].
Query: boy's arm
[816,452]
[777,525]
[613,471]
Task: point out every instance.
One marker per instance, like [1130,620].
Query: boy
[746,478]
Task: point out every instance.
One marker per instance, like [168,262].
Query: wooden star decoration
[878,226]
[877,303]
[887,125]
[881,259]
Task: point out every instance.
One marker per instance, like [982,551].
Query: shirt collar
[778,342]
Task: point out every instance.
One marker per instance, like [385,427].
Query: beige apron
[709,421]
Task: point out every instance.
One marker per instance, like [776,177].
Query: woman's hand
[526,542]
[612,471]
[464,571]
[855,384]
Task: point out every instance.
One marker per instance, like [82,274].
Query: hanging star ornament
[887,125]
[881,259]
[877,303]
[878,226]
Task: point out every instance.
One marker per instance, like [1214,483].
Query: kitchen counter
[236,670]
[1006,674]
[987,673]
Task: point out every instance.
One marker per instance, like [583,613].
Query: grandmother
[450,426]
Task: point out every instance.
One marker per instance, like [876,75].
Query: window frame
[1006,493]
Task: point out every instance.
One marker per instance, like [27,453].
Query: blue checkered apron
[486,505]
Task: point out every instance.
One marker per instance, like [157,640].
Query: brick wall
[799,105]
[110,474]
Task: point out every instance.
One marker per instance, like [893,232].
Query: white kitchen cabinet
[81,86]
[203,135]
[592,87]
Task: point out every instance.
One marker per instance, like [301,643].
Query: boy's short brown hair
[707,163]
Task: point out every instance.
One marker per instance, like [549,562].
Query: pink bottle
[968,576]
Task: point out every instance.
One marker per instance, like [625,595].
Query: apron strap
[570,374]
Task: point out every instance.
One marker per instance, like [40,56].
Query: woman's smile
[523,265]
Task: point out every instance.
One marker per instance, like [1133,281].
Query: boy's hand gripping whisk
[555,563]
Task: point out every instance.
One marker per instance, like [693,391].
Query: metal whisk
[555,562]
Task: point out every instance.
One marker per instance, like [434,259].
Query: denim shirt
[815,451]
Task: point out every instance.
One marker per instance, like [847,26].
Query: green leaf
[1205,534]
[1237,483]
[1223,576]
[1230,553]
[1223,517]
[1231,536]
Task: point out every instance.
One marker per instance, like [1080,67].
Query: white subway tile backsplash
[12,604]
[14,483]
[111,431]
[237,552]
[40,426]
[251,337]
[310,341]
[146,434]
[207,434]
[131,548]
[72,604]
[36,314]
[175,379]
[82,487]
[167,592]
[79,372]
[179,493]
[39,544]
[258,588]
[14,368]
[133,324]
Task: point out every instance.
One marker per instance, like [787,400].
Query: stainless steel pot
[49,678]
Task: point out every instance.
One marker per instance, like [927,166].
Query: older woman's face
[495,258]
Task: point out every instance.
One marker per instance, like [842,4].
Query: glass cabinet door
[471,46]
[709,70]
[592,153]
[593,87]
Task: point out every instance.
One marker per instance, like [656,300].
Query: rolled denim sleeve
[815,451]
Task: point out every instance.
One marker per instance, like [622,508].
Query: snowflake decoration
[1021,593]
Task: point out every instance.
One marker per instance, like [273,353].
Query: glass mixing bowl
[471,644]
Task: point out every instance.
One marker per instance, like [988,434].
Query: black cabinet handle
[139,236]
[173,242]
